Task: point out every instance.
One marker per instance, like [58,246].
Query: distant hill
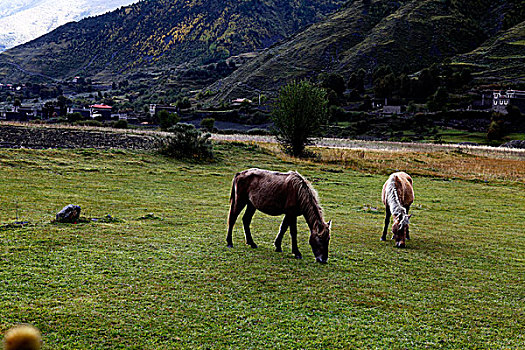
[24,20]
[501,58]
[407,35]
[160,33]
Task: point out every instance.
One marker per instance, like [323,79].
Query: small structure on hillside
[391,110]
[102,111]
[240,101]
[502,99]
[154,109]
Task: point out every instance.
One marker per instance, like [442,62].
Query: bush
[337,113]
[184,103]
[167,120]
[121,124]
[299,113]
[74,117]
[208,124]
[495,131]
[186,142]
[89,122]
[334,82]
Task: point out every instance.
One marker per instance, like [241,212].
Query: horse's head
[319,240]
[400,229]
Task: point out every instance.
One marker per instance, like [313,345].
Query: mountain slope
[500,57]
[24,20]
[161,33]
[407,35]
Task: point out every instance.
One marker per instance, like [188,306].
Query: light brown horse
[398,195]
[276,193]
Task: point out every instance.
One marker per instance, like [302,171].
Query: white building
[501,99]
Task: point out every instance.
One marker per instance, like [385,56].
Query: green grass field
[159,276]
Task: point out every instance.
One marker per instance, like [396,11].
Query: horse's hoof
[383,239]
[253,245]
[230,246]
[298,256]
[278,249]
[400,245]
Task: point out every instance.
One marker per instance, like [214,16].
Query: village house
[100,111]
[21,113]
[240,101]
[85,112]
[502,99]
[389,110]
[154,109]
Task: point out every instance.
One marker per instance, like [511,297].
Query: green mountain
[406,35]
[501,58]
[155,34]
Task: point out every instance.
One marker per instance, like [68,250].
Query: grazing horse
[276,193]
[398,195]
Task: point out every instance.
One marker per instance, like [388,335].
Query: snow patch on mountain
[25,20]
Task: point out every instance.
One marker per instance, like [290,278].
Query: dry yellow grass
[445,161]
[444,164]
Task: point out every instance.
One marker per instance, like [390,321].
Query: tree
[439,100]
[427,82]
[334,82]
[495,130]
[299,113]
[167,120]
[385,86]
[208,124]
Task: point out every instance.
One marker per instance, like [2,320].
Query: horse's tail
[233,190]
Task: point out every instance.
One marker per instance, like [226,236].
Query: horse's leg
[387,222]
[235,209]
[246,220]
[293,233]
[279,238]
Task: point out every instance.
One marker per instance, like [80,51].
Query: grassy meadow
[158,275]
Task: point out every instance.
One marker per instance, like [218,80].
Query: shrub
[184,103]
[121,124]
[208,124]
[74,117]
[89,122]
[167,120]
[495,131]
[186,142]
[337,113]
[334,82]
[298,115]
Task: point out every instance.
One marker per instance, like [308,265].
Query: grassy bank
[159,275]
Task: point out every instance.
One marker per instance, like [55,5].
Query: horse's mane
[307,197]
[392,199]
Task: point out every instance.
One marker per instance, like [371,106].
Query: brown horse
[276,193]
[398,195]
